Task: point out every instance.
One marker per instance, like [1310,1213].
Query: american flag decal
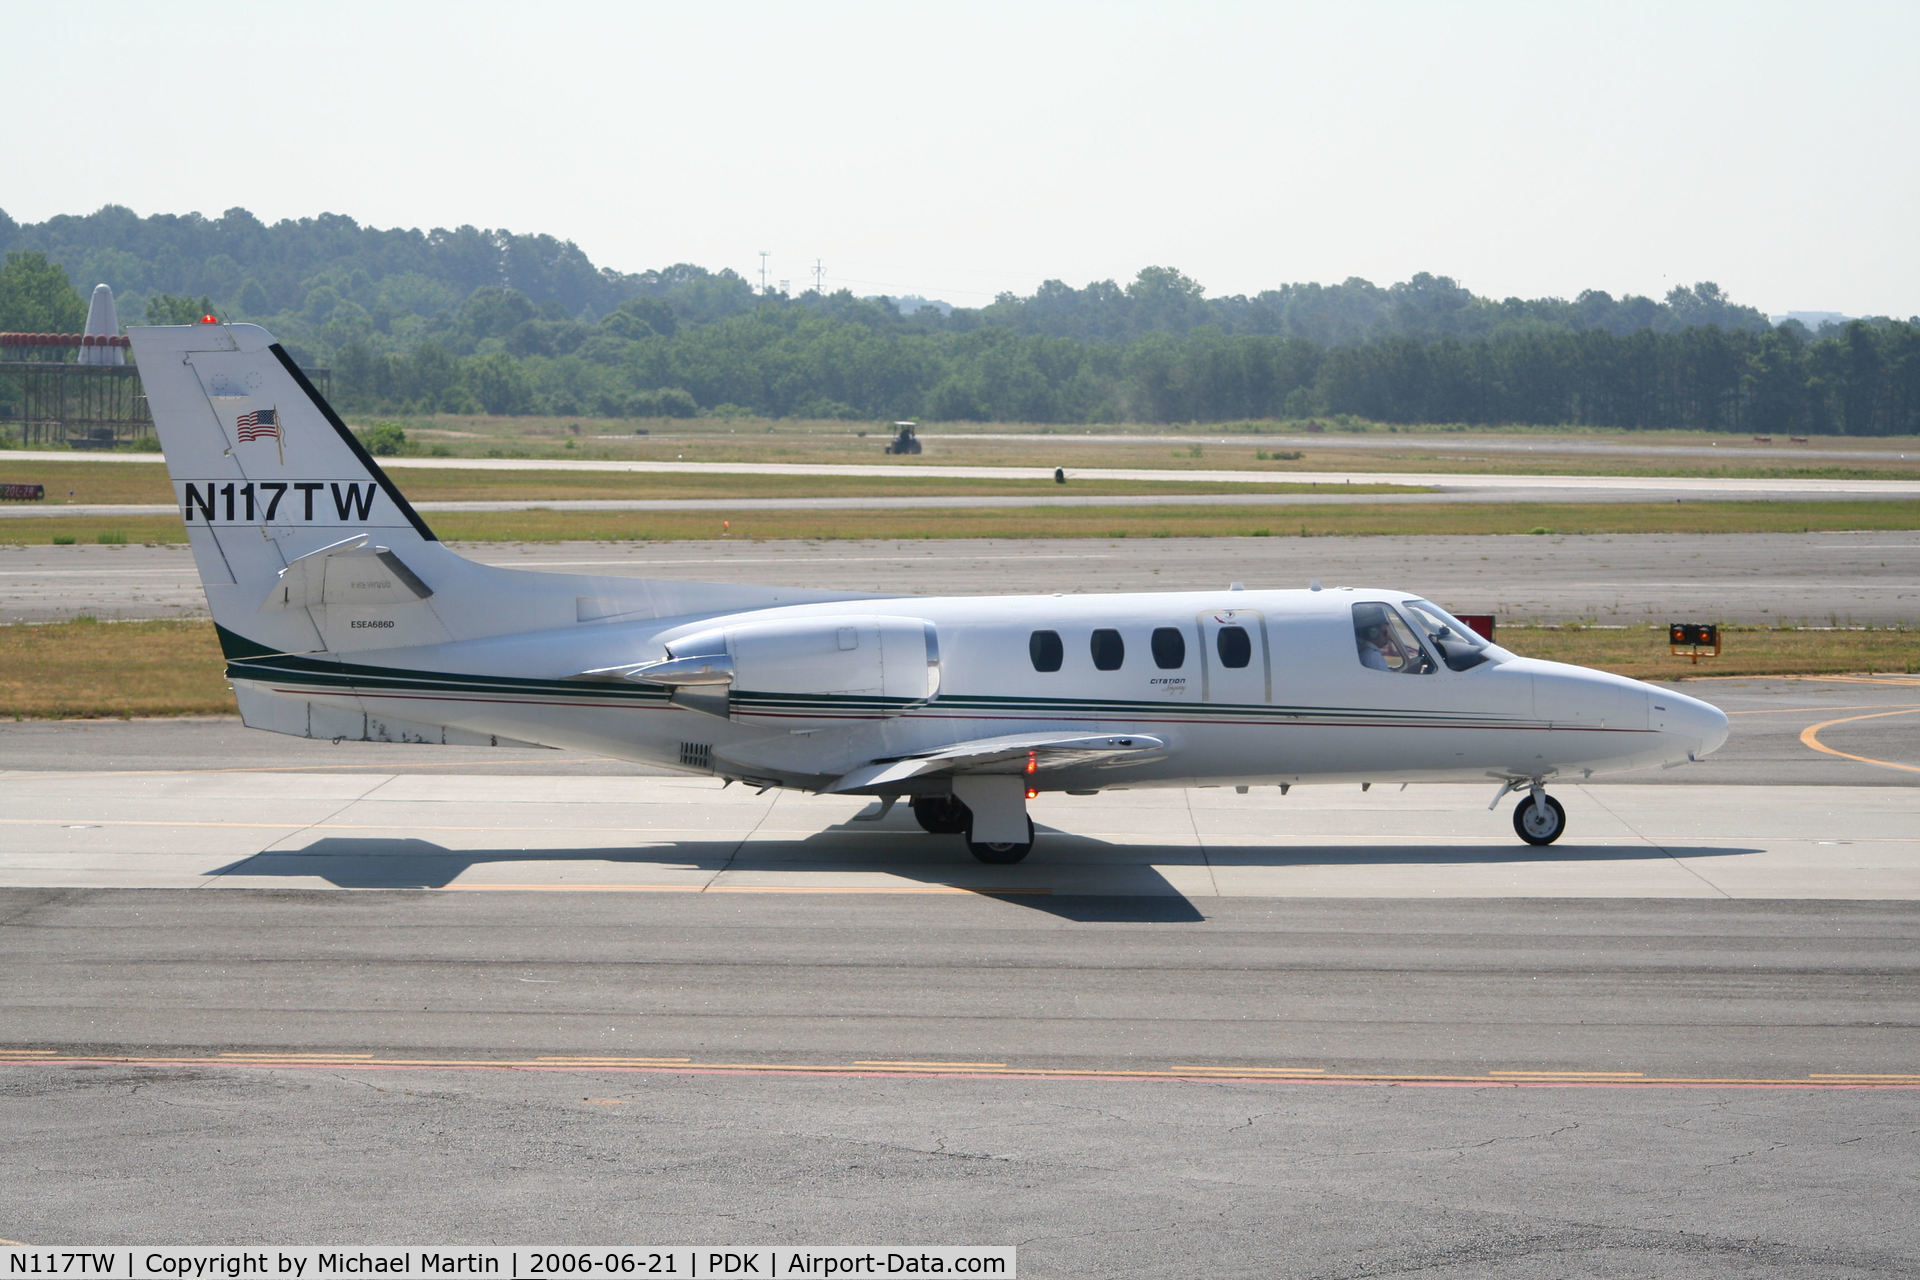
[258,424]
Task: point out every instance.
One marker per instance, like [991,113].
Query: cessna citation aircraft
[341,616]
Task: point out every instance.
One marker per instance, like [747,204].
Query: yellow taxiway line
[1810,736]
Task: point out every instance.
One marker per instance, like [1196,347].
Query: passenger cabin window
[1386,642]
[1045,649]
[1109,650]
[1169,648]
[1234,646]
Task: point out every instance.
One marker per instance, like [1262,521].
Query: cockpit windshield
[1447,636]
[1387,643]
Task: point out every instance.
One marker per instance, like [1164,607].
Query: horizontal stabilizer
[1000,755]
[347,572]
[344,720]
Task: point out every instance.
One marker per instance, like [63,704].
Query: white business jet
[341,616]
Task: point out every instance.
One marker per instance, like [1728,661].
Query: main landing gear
[941,815]
[1000,852]
[950,815]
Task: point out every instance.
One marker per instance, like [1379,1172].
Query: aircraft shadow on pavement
[1104,882]
[1103,891]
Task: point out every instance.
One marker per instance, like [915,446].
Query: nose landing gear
[1538,819]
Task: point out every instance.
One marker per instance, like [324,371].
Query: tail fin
[305,546]
[284,509]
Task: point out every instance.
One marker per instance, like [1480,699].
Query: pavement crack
[1744,1156]
[1592,794]
[239,868]
[940,1149]
[1251,1120]
[1200,841]
[1092,1111]
[1456,1148]
[733,854]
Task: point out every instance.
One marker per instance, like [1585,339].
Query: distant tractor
[903,439]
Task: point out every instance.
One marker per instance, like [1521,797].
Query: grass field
[94,669]
[114,670]
[146,482]
[1249,446]
[1338,447]
[1437,520]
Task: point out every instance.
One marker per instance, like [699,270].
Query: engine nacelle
[807,666]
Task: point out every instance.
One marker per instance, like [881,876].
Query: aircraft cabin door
[1235,665]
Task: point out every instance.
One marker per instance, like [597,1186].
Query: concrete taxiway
[1814,797]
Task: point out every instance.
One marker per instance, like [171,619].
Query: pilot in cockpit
[1383,645]
[1374,641]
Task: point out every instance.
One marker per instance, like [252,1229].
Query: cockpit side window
[1447,636]
[1386,642]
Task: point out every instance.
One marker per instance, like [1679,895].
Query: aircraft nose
[1701,725]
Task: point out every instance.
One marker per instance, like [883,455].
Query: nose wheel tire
[1539,823]
[999,854]
[941,815]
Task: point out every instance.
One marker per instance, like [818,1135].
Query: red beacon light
[209,319]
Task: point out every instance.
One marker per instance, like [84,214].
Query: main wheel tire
[941,815]
[1000,854]
[1539,824]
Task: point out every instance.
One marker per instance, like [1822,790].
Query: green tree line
[779,362]
[325,281]
[471,321]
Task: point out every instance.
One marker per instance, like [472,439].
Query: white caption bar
[556,1262]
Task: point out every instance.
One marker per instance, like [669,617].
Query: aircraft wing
[1011,754]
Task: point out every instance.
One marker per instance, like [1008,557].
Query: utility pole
[763,271]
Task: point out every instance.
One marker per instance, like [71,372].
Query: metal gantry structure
[47,398]
[50,399]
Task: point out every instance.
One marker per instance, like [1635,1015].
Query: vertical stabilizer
[305,546]
[267,475]
[103,321]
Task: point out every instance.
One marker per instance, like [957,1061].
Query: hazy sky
[958,150]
